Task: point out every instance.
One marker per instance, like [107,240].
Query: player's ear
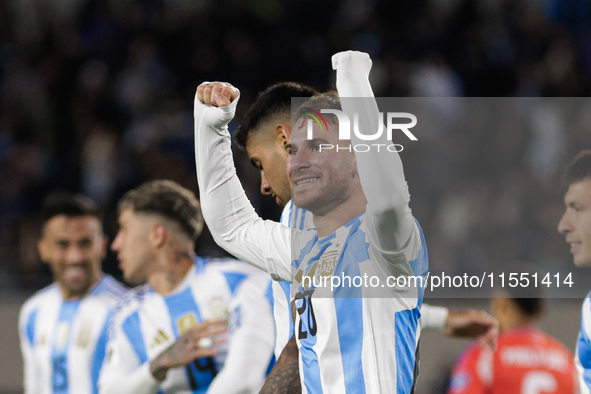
[158,235]
[283,133]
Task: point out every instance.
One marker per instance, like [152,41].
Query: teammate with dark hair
[165,336]
[63,328]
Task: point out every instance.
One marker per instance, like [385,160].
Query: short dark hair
[527,297]
[530,307]
[70,205]
[579,168]
[168,199]
[273,101]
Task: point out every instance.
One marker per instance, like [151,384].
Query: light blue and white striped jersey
[63,341]
[147,323]
[358,344]
[583,352]
[354,339]
[300,219]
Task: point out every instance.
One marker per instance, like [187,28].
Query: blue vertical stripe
[349,309]
[133,330]
[406,328]
[179,305]
[295,264]
[269,295]
[234,279]
[584,347]
[286,287]
[584,355]
[349,313]
[30,327]
[99,353]
[302,218]
[59,354]
[271,300]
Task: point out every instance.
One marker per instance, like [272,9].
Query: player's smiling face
[266,151]
[132,245]
[575,223]
[321,177]
[74,248]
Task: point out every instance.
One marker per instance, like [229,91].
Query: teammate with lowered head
[167,336]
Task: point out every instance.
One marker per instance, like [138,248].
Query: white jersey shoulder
[146,323]
[63,342]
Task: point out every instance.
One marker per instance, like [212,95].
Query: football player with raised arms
[346,344]
[263,134]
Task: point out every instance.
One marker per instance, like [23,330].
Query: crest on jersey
[63,331]
[84,334]
[186,322]
[327,263]
[324,266]
[218,308]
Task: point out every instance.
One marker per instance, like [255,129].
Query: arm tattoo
[285,376]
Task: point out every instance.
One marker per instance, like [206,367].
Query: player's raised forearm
[381,173]
[230,217]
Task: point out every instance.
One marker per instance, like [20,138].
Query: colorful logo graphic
[315,115]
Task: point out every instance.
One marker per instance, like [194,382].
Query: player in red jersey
[527,360]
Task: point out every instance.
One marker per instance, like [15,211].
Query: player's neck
[340,215]
[68,295]
[172,268]
[517,322]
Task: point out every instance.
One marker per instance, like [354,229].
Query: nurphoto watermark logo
[388,122]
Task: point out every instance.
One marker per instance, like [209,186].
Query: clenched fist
[218,94]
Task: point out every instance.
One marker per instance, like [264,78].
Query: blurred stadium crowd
[96,97]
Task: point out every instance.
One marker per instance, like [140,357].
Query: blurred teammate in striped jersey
[169,335]
[63,328]
[575,225]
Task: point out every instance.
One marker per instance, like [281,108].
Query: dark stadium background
[96,97]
